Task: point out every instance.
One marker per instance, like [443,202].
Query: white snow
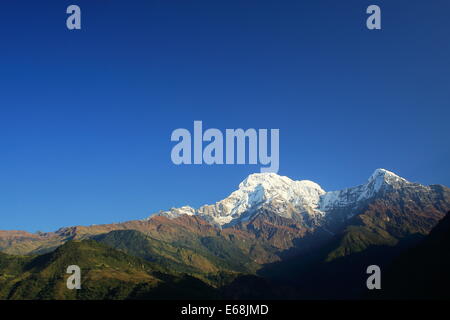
[351,197]
[271,189]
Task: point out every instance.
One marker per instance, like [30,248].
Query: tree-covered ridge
[106,274]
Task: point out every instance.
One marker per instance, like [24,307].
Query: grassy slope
[106,274]
[210,258]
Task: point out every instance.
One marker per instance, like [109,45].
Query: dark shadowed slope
[422,272]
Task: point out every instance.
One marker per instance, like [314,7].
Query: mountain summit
[288,198]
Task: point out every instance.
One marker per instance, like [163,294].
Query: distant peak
[382,177]
[263,175]
[383,173]
[272,185]
[259,178]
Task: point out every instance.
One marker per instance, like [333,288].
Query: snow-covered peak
[267,178]
[381,173]
[263,189]
[287,197]
[352,197]
[176,212]
[383,176]
[279,185]
[257,190]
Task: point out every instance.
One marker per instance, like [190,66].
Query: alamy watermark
[236,146]
[73,21]
[374,281]
[74,281]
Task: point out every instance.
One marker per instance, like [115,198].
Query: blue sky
[86,116]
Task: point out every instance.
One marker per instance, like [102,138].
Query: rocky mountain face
[384,209]
[307,203]
[258,191]
[271,225]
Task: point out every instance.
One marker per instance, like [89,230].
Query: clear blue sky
[86,116]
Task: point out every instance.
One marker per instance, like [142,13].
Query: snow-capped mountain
[351,197]
[304,199]
[270,215]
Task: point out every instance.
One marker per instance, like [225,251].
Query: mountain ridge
[278,230]
[298,202]
[261,190]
